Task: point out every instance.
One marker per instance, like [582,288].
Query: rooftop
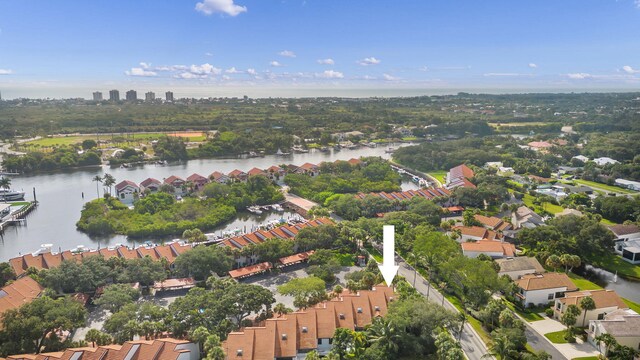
[519,263]
[603,298]
[551,280]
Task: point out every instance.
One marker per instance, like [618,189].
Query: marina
[61,196]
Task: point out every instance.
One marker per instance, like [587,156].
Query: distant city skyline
[202,48]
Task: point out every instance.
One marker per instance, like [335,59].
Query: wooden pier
[18,217]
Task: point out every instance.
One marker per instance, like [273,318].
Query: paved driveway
[570,351]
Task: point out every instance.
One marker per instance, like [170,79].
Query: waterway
[61,196]
[625,288]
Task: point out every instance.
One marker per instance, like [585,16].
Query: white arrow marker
[389,269]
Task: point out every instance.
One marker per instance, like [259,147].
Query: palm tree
[385,334]
[5,183]
[98,180]
[608,340]
[502,348]
[108,181]
[587,304]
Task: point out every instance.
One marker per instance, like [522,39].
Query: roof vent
[341,316]
[239,352]
[359,310]
[305,329]
[376,308]
[284,336]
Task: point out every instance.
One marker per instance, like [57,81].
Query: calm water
[624,288]
[60,197]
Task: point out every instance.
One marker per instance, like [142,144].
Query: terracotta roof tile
[545,281]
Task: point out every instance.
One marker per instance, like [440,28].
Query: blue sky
[65,48]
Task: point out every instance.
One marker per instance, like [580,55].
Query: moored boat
[11,195]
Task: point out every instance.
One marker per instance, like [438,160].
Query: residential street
[471,343]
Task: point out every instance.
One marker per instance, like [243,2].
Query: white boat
[11,195]
[280,153]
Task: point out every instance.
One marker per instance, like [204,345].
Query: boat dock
[423,180]
[17,217]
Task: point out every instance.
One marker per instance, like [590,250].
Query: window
[550,297]
[319,341]
[558,306]
[600,316]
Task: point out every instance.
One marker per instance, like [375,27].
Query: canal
[61,197]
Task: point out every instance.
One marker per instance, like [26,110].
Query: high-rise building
[149,96]
[169,95]
[114,95]
[132,95]
[97,96]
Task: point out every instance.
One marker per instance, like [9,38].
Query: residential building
[603,161]
[176,182]
[198,181]
[219,177]
[151,184]
[623,325]
[169,96]
[294,335]
[459,176]
[492,222]
[541,289]
[238,175]
[256,172]
[627,242]
[606,301]
[516,267]
[568,211]
[427,193]
[158,349]
[275,173]
[524,217]
[18,293]
[493,249]
[308,169]
[344,136]
[114,95]
[97,96]
[475,233]
[127,191]
[582,158]
[149,96]
[505,171]
[628,184]
[540,145]
[132,95]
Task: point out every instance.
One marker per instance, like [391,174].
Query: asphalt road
[470,341]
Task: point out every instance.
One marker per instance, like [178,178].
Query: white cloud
[330,74]
[209,7]
[628,69]
[287,53]
[506,74]
[637,3]
[252,71]
[232,70]
[389,77]
[368,61]
[327,61]
[208,54]
[275,64]
[533,66]
[138,71]
[579,76]
[423,68]
[204,69]
[6,71]
[145,65]
[188,75]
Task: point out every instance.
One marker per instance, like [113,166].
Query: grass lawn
[19,203]
[529,316]
[633,306]
[53,141]
[375,253]
[557,337]
[439,174]
[409,138]
[604,187]
[130,137]
[346,259]
[615,263]
[475,323]
[585,284]
[553,209]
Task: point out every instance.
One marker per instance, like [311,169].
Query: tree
[306,291]
[384,334]
[281,309]
[213,348]
[97,337]
[554,262]
[98,180]
[26,329]
[502,348]
[244,299]
[89,144]
[5,183]
[145,271]
[622,352]
[116,296]
[202,261]
[194,235]
[448,347]
[569,320]
[587,304]
[570,261]
[608,340]
[108,180]
[6,273]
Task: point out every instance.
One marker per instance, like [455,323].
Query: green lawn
[553,209]
[475,323]
[633,306]
[439,175]
[409,138]
[375,253]
[19,203]
[585,284]
[557,337]
[75,139]
[604,187]
[527,315]
[346,259]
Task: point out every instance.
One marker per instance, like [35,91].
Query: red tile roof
[250,270]
[18,293]
[148,181]
[124,183]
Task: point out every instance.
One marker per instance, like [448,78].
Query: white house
[606,301]
[631,185]
[582,158]
[627,242]
[541,289]
[602,161]
[127,191]
[525,218]
[623,325]
[516,267]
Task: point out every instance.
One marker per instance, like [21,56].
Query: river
[60,197]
